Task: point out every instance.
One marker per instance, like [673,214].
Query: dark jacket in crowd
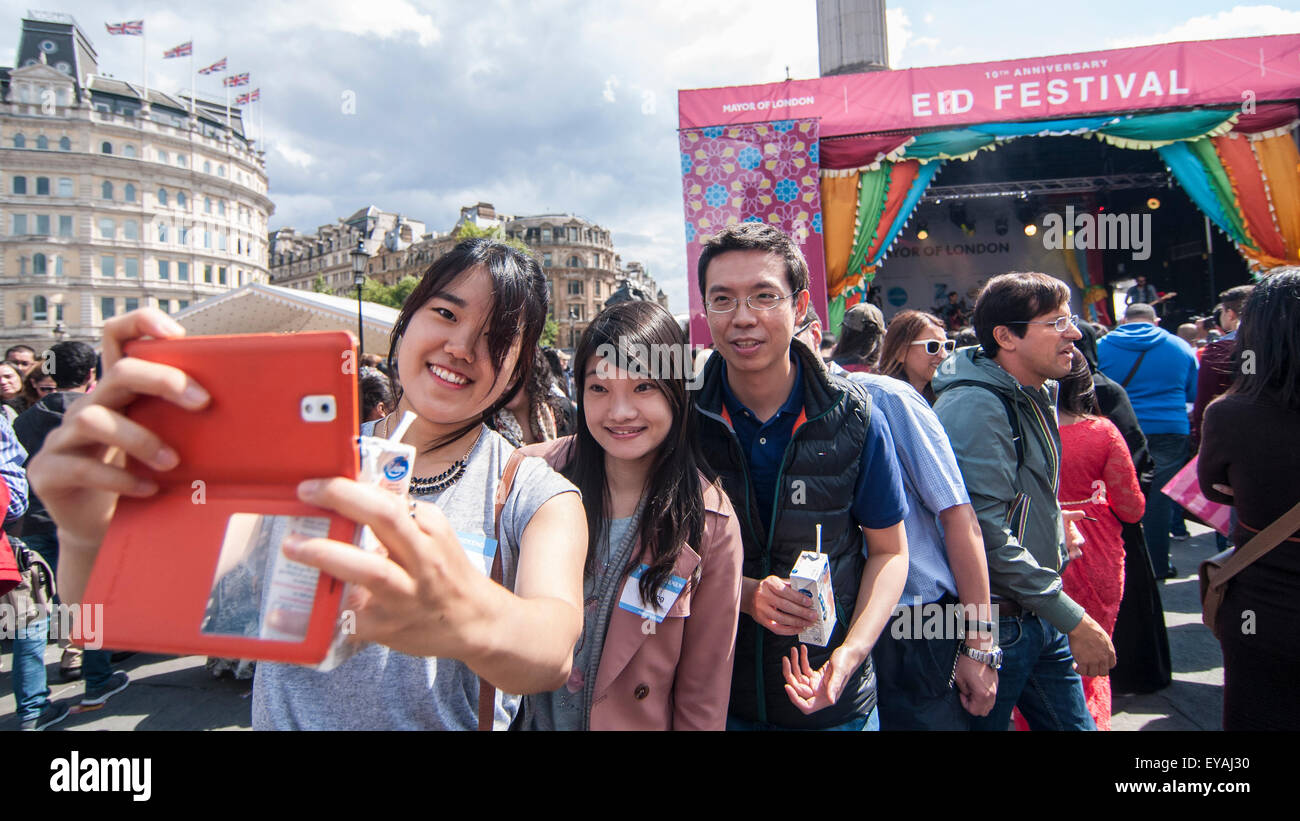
[32,426]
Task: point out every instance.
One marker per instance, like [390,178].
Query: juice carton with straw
[812,577]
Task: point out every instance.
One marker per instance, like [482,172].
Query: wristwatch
[992,658]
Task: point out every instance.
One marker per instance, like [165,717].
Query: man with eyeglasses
[997,402]
[795,447]
[1159,371]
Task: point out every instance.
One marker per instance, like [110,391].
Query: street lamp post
[573,317]
[359,257]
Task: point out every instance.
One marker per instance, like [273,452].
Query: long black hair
[1078,394]
[673,514]
[518,310]
[1266,362]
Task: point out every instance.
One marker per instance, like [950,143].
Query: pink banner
[762,172]
[1233,72]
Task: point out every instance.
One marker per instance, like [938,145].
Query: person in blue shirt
[796,447]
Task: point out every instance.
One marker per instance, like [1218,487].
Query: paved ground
[170,693]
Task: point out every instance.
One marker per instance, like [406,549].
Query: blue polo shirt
[878,498]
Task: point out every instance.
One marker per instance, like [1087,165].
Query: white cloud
[1239,21]
[898,30]
[928,19]
[294,156]
[387,19]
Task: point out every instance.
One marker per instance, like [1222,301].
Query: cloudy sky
[554,105]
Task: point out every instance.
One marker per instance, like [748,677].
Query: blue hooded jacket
[1165,382]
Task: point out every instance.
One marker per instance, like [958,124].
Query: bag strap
[1259,544]
[1133,371]
[1262,542]
[1013,418]
[487,694]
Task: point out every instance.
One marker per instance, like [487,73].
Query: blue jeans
[1037,676]
[31,692]
[1169,452]
[96,665]
[869,723]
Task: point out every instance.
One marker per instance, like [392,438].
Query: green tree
[469,230]
[403,289]
[550,331]
[318,285]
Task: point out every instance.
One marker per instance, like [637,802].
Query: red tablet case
[250,447]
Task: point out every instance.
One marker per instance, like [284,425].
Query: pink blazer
[679,676]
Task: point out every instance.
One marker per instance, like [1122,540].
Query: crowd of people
[642,575]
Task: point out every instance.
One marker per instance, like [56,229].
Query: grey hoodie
[1025,559]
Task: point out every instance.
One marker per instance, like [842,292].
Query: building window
[18,226]
[128,151]
[58,272]
[221,243]
[131,303]
[207,273]
[221,208]
[221,171]
[106,147]
[546,235]
[574,262]
[207,167]
[131,268]
[162,156]
[180,199]
[107,307]
[43,186]
[162,232]
[65,225]
[546,260]
[108,267]
[65,144]
[207,238]
[182,304]
[596,288]
[43,225]
[221,275]
[573,234]
[42,143]
[38,264]
[58,312]
[575,287]
[128,192]
[165,305]
[20,141]
[65,187]
[162,196]
[183,271]
[20,185]
[180,160]
[130,229]
[207,205]
[164,269]
[185,236]
[40,309]
[106,190]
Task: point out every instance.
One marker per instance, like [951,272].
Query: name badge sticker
[632,602]
[479,549]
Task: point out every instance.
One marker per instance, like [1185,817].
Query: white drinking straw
[819,537]
[408,419]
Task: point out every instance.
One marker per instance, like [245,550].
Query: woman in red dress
[1097,477]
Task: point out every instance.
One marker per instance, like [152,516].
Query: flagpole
[229,129]
[144,61]
[261,123]
[193,106]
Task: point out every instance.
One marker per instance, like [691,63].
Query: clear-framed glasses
[933,346]
[759,302]
[1061,324]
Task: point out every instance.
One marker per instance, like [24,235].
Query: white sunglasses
[932,346]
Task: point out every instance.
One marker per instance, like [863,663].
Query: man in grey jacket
[997,402]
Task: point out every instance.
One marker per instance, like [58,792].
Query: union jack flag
[183,50]
[255,95]
[242,99]
[236,80]
[132,27]
[219,65]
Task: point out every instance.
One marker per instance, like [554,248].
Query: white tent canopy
[258,308]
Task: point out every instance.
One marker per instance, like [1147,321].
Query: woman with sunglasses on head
[11,390]
[442,631]
[659,531]
[915,346]
[36,386]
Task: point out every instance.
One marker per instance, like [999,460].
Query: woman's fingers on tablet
[54,473]
[345,562]
[98,425]
[131,378]
[144,322]
[388,515]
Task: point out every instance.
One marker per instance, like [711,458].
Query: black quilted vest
[815,485]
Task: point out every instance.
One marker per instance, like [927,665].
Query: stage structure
[842,162]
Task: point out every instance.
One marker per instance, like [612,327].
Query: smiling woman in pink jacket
[662,582]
